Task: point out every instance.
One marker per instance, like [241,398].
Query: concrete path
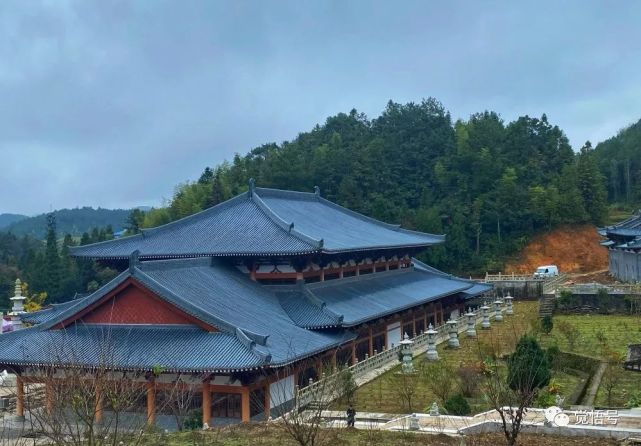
[590,395]
[623,424]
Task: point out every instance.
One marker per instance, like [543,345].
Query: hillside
[574,249]
[619,160]
[488,184]
[71,221]
[8,219]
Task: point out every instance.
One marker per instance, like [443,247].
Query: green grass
[382,394]
[597,332]
[263,434]
[598,335]
[630,383]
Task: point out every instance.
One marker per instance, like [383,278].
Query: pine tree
[52,266]
[592,185]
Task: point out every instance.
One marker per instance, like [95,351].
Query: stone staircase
[546,305]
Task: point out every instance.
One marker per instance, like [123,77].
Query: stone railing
[509,277]
[550,285]
[328,387]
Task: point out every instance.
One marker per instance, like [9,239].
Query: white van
[546,271]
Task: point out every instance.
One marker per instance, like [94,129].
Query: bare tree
[613,374]
[406,385]
[441,379]
[301,418]
[511,385]
[95,405]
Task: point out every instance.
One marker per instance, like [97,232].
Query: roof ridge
[186,262]
[284,193]
[287,227]
[250,344]
[317,302]
[174,223]
[391,226]
[223,205]
[363,217]
[428,268]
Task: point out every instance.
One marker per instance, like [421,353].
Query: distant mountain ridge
[69,221]
[9,219]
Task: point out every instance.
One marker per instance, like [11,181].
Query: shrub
[553,355]
[457,405]
[193,421]
[547,324]
[567,300]
[469,376]
[528,367]
[545,399]
[570,332]
[634,400]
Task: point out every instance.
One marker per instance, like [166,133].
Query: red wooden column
[244,405]
[49,396]
[151,402]
[371,343]
[99,404]
[19,397]
[268,401]
[206,403]
[353,352]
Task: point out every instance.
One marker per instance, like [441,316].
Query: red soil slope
[574,249]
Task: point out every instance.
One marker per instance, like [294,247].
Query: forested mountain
[486,183]
[71,221]
[45,266]
[8,219]
[619,159]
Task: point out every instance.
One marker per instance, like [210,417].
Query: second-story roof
[263,222]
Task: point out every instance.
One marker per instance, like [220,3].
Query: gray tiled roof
[359,299]
[132,347]
[258,325]
[50,312]
[219,295]
[262,222]
[355,300]
[232,297]
[630,227]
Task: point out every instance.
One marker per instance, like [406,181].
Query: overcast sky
[111,103]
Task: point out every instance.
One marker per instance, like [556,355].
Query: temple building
[244,301]
[623,241]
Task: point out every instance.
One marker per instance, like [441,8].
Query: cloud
[114,103]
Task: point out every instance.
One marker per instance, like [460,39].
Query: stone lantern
[406,351]
[452,330]
[432,354]
[498,316]
[486,317]
[18,306]
[508,301]
[471,323]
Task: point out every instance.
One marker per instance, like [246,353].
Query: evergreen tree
[591,185]
[52,266]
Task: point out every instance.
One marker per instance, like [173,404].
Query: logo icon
[554,415]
